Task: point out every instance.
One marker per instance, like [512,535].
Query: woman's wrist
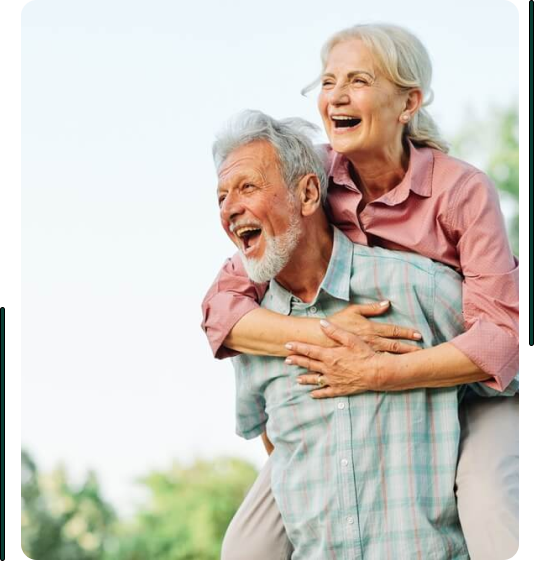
[385,364]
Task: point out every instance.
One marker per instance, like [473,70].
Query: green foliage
[60,521]
[188,512]
[185,517]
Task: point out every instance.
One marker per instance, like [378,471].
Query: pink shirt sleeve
[229,298]
[491,285]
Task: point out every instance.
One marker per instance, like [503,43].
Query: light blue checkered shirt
[368,476]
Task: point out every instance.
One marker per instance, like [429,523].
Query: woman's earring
[405,117]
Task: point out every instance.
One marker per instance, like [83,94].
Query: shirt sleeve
[250,407]
[448,322]
[230,297]
[491,281]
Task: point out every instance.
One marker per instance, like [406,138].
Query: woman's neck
[379,173]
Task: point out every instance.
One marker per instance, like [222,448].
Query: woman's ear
[309,194]
[414,100]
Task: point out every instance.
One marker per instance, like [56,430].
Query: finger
[310,379]
[307,363]
[393,346]
[324,392]
[370,310]
[312,351]
[338,334]
[396,331]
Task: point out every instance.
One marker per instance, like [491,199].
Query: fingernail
[384,303]
[299,380]
[324,323]
[417,335]
[288,361]
[289,346]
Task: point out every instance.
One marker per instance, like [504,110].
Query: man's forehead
[253,158]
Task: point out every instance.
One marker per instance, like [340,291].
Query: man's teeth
[240,232]
[343,118]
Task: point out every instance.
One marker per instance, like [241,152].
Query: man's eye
[248,186]
[221,199]
[327,84]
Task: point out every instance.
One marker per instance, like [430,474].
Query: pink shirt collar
[418,178]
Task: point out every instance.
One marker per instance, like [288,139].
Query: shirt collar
[418,177]
[336,280]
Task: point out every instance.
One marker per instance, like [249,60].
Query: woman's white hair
[402,59]
[289,137]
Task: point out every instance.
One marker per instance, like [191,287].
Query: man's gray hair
[289,137]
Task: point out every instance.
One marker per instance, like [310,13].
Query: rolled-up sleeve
[491,281]
[230,297]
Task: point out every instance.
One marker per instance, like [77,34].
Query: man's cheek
[226,228]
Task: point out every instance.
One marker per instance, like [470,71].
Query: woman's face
[360,108]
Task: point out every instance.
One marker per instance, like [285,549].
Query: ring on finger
[321,381]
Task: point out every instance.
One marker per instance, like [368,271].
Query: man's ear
[309,194]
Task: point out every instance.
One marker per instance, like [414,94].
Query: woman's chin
[343,146]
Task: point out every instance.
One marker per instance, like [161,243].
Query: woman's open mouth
[249,237]
[345,122]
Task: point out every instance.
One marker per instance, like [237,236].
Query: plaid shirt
[367,476]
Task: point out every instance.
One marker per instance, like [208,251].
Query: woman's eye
[248,186]
[327,84]
[359,82]
[221,200]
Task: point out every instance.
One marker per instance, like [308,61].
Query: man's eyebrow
[225,184]
[351,74]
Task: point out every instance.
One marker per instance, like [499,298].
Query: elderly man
[368,476]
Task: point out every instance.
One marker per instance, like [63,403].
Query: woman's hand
[350,368]
[379,336]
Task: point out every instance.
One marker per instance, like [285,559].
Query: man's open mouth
[249,237]
[345,121]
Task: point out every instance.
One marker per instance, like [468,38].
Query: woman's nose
[338,95]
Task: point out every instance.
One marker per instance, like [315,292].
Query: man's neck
[305,272]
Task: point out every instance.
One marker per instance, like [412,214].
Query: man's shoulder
[394,257]
[406,260]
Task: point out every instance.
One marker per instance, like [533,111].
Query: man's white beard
[278,252]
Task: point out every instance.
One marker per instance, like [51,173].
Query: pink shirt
[444,209]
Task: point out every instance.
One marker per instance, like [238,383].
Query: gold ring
[321,381]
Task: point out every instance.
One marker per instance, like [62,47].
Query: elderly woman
[392,184]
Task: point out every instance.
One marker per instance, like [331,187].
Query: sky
[120,231]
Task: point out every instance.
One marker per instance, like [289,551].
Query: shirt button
[350,520]
[344,462]
[313,310]
[341,405]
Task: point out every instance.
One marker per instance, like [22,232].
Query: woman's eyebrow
[351,74]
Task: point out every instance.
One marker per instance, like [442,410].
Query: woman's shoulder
[463,190]
[452,174]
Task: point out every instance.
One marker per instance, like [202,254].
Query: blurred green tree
[60,521]
[188,511]
[186,515]
[495,144]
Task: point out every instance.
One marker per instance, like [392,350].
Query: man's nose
[231,208]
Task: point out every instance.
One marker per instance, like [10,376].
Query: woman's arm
[491,281]
[353,367]
[234,322]
[231,296]
[263,332]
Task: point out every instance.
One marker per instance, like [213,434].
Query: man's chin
[257,270]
